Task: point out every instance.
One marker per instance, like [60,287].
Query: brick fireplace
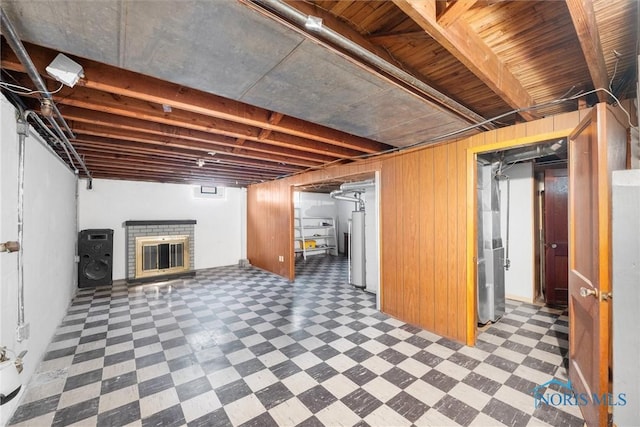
[159,249]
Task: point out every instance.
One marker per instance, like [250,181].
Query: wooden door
[556,230]
[596,148]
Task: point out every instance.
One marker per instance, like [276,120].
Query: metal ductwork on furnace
[491,252]
[357,242]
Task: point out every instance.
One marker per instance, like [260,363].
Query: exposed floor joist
[137,86]
[487,57]
[468,48]
[583,17]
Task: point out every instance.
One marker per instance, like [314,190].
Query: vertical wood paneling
[410,265]
[461,280]
[399,238]
[388,242]
[441,234]
[453,263]
[427,247]
[423,227]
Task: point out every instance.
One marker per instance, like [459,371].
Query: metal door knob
[553,245]
[584,292]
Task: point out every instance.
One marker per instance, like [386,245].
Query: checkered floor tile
[241,347]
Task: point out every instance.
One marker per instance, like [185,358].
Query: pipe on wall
[23,129]
[16,45]
[352,187]
[314,24]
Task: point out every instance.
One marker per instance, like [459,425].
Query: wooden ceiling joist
[584,21]
[172,152]
[151,164]
[133,108]
[468,48]
[117,143]
[454,11]
[78,115]
[134,85]
[108,171]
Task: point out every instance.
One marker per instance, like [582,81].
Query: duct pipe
[361,185]
[314,24]
[20,51]
[502,177]
[339,195]
[352,187]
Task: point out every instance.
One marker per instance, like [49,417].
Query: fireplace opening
[160,255]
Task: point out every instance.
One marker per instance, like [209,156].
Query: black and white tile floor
[242,347]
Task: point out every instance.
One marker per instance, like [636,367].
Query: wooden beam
[468,48]
[149,177]
[584,21]
[80,115]
[274,119]
[171,153]
[147,162]
[82,97]
[134,85]
[225,152]
[128,167]
[454,11]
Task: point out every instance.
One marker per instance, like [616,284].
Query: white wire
[471,127]
[615,70]
[25,90]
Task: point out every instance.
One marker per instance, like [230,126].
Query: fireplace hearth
[159,249]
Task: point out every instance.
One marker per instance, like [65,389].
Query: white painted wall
[519,279]
[315,204]
[49,245]
[221,221]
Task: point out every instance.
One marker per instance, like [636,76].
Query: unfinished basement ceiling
[257,97]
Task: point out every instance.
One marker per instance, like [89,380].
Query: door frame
[472,217]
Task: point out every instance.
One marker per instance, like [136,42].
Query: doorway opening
[522,250]
[339,220]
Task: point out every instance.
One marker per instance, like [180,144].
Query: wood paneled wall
[423,226]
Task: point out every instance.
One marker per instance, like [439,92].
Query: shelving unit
[322,230]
